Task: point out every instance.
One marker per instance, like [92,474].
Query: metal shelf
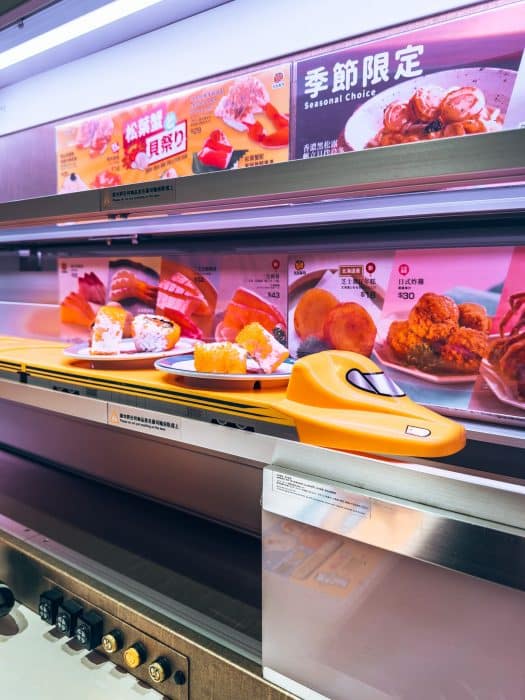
[452,177]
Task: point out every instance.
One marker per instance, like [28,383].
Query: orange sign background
[179,134]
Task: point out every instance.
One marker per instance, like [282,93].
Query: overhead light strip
[101,17]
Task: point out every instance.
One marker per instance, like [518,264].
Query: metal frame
[421,482]
[437,167]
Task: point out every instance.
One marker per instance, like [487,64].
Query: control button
[112,641]
[7,600]
[89,630]
[48,605]
[67,617]
[179,678]
[159,670]
[135,655]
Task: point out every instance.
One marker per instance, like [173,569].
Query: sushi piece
[216,151]
[91,287]
[154,333]
[223,358]
[108,330]
[262,346]
[75,309]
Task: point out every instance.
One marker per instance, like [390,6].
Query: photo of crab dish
[504,367]
[440,339]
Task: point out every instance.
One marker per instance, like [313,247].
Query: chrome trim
[493,200]
[424,166]
[469,545]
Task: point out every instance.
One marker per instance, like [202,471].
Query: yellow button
[133,657]
[110,643]
[157,672]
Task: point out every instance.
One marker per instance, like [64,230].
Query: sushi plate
[388,359]
[184,368]
[127,353]
[503,391]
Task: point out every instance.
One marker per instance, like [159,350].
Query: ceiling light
[80,26]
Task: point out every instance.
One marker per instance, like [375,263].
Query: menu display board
[86,284]
[235,123]
[253,288]
[447,324]
[437,322]
[452,78]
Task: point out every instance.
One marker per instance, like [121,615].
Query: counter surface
[30,666]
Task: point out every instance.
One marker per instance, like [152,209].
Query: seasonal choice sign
[454,78]
[235,123]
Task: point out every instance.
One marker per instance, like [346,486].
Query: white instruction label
[144,421]
[292,485]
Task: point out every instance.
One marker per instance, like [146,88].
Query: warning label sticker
[144,421]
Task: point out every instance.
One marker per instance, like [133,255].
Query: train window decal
[374,383]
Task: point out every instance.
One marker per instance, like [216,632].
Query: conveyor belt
[42,363]
[204,566]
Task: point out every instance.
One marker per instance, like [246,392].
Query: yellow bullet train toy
[342,400]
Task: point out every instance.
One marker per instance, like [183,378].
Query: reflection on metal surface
[424,166]
[480,548]
[364,622]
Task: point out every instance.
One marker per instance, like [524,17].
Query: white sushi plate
[127,352]
[184,368]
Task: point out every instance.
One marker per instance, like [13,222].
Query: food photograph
[438,319]
[108,307]
[236,123]
[501,386]
[440,81]
[335,300]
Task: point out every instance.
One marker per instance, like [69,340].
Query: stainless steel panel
[231,495]
[481,548]
[350,620]
[213,485]
[433,165]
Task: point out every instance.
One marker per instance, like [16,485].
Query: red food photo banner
[453,78]
[236,123]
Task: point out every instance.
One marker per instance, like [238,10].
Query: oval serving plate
[183,368]
[127,355]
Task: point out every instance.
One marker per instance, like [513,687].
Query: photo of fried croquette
[472,315]
[401,339]
[441,337]
[350,327]
[434,317]
[465,348]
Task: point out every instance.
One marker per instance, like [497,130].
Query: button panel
[148,659]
